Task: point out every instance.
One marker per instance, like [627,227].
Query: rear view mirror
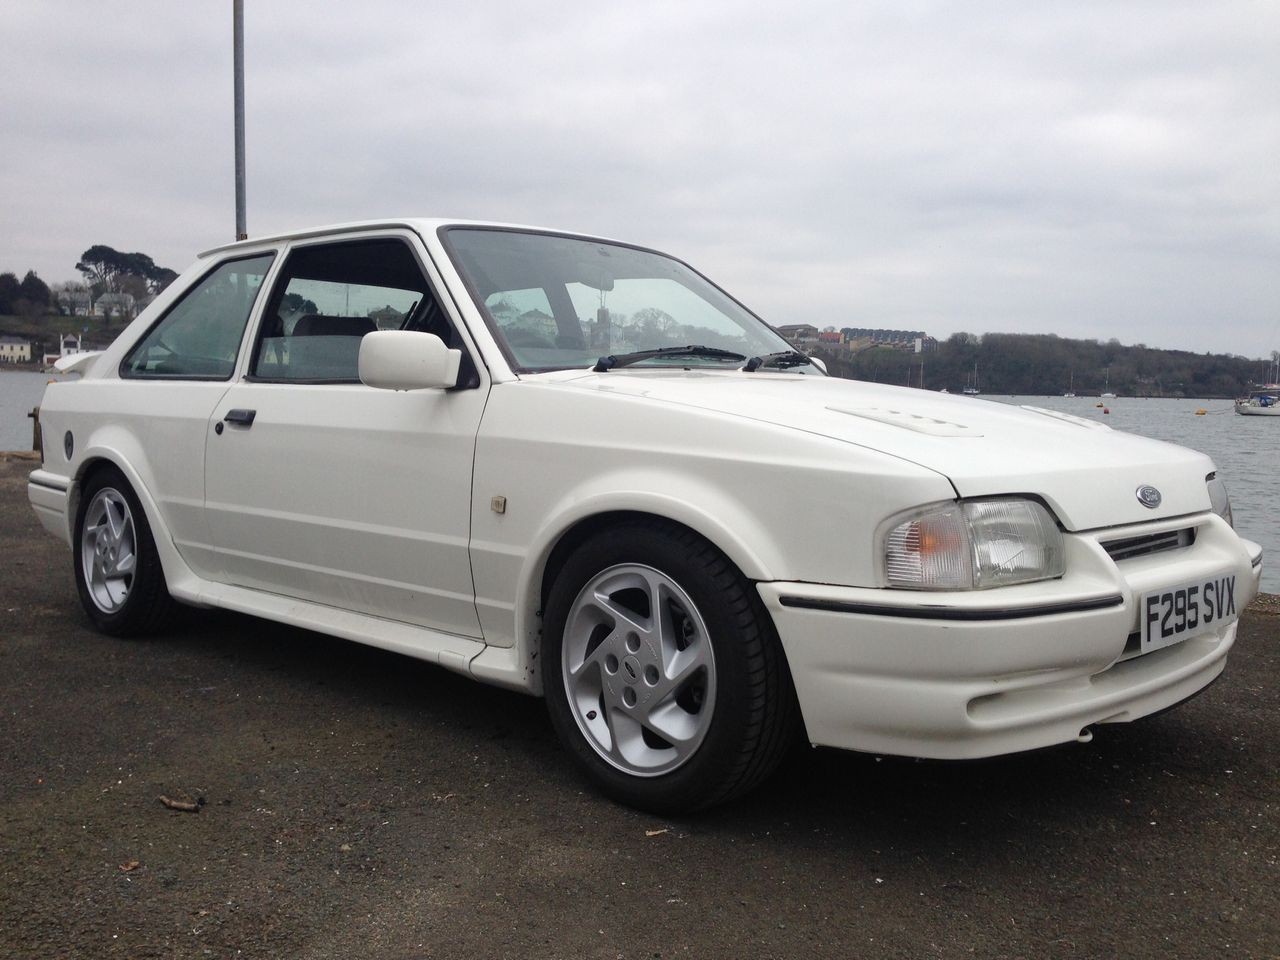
[407,360]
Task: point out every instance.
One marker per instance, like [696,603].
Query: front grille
[1148,543]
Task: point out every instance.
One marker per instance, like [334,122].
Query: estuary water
[1245,449]
[20,390]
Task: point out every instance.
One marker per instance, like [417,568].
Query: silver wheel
[108,550]
[638,669]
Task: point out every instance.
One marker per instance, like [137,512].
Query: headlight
[973,545]
[1218,497]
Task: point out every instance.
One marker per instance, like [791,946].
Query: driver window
[328,296]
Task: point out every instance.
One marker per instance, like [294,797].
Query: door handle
[240,417]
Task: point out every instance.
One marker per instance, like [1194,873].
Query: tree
[10,291]
[160,278]
[34,289]
[296,303]
[653,326]
[101,266]
[107,270]
[136,286]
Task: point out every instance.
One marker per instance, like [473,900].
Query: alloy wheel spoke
[626,732]
[680,669]
[675,725]
[124,565]
[665,631]
[622,617]
[115,520]
[589,662]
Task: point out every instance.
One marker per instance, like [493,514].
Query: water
[1245,449]
[20,390]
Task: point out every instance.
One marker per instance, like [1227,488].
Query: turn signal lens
[974,545]
[930,552]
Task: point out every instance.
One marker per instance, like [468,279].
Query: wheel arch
[747,680]
[518,666]
[102,455]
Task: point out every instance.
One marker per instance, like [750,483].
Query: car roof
[424,225]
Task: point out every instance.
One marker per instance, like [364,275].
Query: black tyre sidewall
[700,780]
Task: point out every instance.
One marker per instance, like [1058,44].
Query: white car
[576,468]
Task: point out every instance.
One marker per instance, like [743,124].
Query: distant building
[799,332]
[917,341]
[15,350]
[115,305]
[926,344]
[78,303]
[831,336]
[69,344]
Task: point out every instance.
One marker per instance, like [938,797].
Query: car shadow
[828,798]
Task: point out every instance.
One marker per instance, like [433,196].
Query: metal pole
[237,34]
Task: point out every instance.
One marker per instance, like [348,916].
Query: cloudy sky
[1090,169]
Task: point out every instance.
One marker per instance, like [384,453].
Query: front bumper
[49,495]
[983,673]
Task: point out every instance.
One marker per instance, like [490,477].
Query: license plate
[1175,613]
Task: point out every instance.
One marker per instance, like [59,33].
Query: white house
[15,350]
[69,344]
[115,305]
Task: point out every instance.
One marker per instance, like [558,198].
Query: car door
[321,488]
[169,384]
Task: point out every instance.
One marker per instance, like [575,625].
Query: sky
[1087,169]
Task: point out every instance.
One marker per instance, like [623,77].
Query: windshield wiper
[784,358]
[693,350]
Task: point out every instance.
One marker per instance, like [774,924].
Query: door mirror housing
[407,360]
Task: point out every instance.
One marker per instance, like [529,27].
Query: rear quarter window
[199,337]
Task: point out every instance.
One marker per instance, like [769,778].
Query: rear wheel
[118,573]
[663,674]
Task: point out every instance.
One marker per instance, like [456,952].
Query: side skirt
[448,650]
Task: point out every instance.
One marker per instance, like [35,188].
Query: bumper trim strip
[956,613]
[47,485]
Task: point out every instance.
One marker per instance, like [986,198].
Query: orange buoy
[1201,412]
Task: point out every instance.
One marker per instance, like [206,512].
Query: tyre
[663,674]
[117,569]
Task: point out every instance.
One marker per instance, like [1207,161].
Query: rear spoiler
[77,362]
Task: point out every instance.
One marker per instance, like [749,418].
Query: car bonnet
[1086,472]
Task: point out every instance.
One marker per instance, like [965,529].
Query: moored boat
[1262,402]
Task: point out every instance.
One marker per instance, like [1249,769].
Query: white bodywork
[373,514]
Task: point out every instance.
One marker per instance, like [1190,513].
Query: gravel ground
[359,804]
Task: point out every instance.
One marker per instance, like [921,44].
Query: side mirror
[819,363]
[407,360]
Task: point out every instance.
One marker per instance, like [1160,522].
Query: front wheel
[663,674]
[118,573]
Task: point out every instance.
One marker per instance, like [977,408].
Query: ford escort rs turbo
[579,469]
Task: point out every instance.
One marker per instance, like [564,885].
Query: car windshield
[557,302]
